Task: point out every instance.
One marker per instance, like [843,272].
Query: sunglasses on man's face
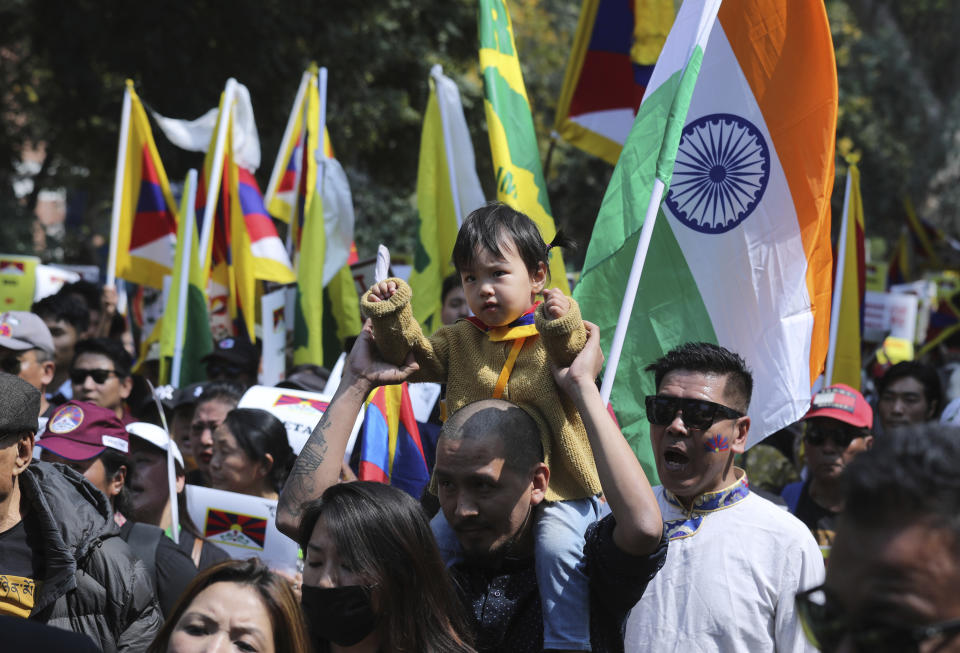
[826,625]
[841,437]
[695,413]
[79,376]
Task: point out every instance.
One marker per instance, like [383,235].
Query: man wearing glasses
[100,374]
[26,350]
[736,560]
[837,430]
[894,569]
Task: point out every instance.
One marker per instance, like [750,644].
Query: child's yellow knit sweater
[463,356]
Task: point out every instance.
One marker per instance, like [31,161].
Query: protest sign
[274,335]
[889,314]
[242,525]
[298,410]
[17,280]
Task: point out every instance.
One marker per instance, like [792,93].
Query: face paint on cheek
[716,443]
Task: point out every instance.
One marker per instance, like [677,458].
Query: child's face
[501,289]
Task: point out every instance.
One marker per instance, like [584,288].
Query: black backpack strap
[143,540]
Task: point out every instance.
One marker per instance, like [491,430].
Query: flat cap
[20,330]
[19,405]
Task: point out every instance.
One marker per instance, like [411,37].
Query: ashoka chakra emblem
[720,175]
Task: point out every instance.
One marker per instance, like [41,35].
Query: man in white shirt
[736,560]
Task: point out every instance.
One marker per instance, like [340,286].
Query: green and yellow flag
[310,240]
[513,139]
[197,340]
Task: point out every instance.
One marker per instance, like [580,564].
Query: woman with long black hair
[373,579]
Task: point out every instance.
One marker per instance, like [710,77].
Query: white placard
[274,334]
[242,525]
[889,314]
[298,410]
[51,279]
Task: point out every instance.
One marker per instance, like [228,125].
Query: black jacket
[91,583]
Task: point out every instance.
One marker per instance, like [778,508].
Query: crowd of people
[539,529]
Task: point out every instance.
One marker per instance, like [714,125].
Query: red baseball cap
[842,403]
[79,430]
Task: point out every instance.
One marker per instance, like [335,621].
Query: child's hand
[555,304]
[382,291]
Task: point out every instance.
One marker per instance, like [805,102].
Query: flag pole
[838,285]
[190,190]
[280,165]
[633,283]
[118,185]
[216,173]
[321,160]
[436,73]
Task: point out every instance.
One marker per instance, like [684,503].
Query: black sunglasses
[842,437]
[826,625]
[78,375]
[696,413]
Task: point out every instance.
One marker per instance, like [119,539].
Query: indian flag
[740,254]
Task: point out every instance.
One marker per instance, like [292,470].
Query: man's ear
[539,277]
[126,386]
[541,479]
[740,430]
[868,442]
[24,453]
[49,369]
[115,484]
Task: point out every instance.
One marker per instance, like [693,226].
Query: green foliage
[897,65]
[63,65]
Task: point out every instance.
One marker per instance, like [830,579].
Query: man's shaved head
[495,418]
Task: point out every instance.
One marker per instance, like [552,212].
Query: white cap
[155,436]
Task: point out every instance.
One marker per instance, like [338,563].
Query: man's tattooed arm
[318,465]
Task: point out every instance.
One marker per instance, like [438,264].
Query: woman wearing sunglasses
[838,427]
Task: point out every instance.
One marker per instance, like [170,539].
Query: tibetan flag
[322,220]
[614,50]
[846,357]
[513,139]
[226,527]
[148,215]
[944,320]
[391,451]
[439,221]
[740,253]
[928,240]
[244,245]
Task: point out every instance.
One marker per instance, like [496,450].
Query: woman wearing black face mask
[373,579]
